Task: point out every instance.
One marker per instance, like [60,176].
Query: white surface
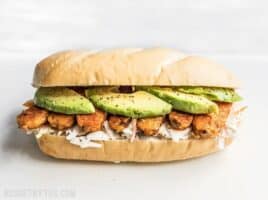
[232,32]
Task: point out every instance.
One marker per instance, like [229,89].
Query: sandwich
[131,105]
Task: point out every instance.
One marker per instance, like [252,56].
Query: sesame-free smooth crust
[125,151]
[151,66]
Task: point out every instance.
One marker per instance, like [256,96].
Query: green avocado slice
[136,105]
[212,93]
[184,102]
[63,100]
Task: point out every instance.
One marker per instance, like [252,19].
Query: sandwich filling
[88,115]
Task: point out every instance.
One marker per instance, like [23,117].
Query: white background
[234,33]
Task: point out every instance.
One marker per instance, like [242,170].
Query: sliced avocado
[63,100]
[212,93]
[136,105]
[184,102]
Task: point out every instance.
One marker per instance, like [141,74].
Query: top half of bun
[152,66]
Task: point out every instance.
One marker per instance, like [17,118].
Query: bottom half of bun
[125,151]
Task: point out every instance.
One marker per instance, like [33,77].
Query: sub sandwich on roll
[131,105]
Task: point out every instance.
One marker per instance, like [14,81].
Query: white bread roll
[126,151]
[154,66]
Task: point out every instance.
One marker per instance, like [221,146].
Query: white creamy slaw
[87,140]
[232,124]
[175,135]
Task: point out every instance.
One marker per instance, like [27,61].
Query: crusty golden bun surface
[151,66]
